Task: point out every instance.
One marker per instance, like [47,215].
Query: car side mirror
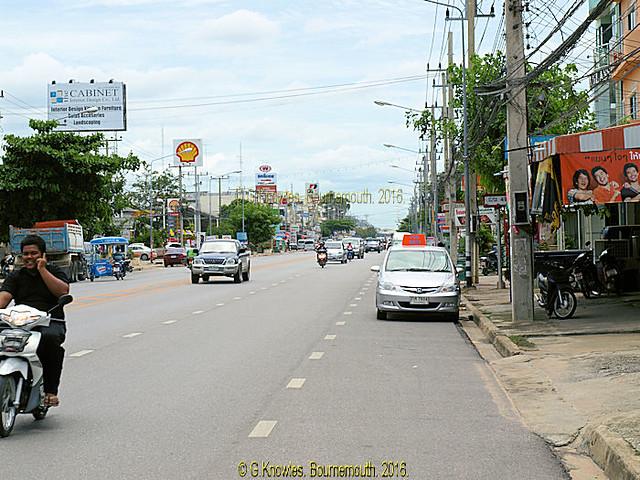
[375,268]
[242,250]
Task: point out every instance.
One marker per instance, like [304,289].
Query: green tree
[335,205]
[259,220]
[57,175]
[329,228]
[554,107]
[406,224]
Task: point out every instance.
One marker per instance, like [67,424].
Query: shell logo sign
[188,152]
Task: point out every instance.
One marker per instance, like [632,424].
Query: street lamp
[186,150]
[465,154]
[388,145]
[224,176]
[402,168]
[387,104]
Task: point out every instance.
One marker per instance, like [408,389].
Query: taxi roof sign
[414,240]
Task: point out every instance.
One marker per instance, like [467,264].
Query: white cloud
[239,28]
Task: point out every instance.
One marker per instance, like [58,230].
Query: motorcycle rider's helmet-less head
[32,247]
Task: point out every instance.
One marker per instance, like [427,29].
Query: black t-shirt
[27,288]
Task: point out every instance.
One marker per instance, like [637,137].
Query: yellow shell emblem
[187,152]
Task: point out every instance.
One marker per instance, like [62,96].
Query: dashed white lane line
[237,298]
[347,313]
[169,322]
[353,304]
[358,298]
[252,293]
[131,335]
[197,312]
[316,355]
[263,288]
[274,284]
[219,304]
[296,382]
[283,281]
[263,429]
[81,353]
[341,323]
[330,337]
[361,293]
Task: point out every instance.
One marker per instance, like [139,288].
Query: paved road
[164,379]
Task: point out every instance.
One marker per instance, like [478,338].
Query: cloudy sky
[294,82]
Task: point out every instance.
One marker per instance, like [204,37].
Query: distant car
[221,258]
[372,245]
[418,279]
[307,244]
[141,251]
[335,251]
[357,244]
[174,256]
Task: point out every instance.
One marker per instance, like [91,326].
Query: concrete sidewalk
[575,382]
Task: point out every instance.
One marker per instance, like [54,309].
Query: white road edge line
[197,312]
[316,355]
[296,382]
[169,322]
[131,335]
[81,353]
[263,429]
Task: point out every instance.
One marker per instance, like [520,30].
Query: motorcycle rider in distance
[39,285]
[350,253]
[321,248]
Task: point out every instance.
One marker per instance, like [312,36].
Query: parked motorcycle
[609,273]
[127,267]
[7,265]
[585,276]
[556,296]
[322,259]
[21,381]
[489,263]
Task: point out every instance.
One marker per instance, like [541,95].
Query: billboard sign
[188,152]
[266,189]
[600,177]
[495,200]
[266,178]
[265,168]
[105,105]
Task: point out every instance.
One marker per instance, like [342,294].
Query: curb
[502,343]
[611,452]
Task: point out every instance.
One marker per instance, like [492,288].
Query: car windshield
[417,261]
[353,241]
[218,247]
[174,250]
[333,245]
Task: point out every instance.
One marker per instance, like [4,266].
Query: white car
[140,250]
[417,279]
[335,251]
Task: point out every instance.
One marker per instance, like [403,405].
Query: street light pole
[465,155]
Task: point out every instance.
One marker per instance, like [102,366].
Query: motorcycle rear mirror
[65,300]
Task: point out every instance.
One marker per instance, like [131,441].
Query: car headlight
[448,288]
[198,261]
[387,286]
[230,261]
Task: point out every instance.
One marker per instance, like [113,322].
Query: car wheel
[381,315]
[195,278]
[453,317]
[165,265]
[237,277]
[246,275]
[205,278]
[144,257]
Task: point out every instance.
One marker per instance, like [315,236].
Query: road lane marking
[330,337]
[237,298]
[263,288]
[131,335]
[296,382]
[197,312]
[361,293]
[353,304]
[358,298]
[169,322]
[341,323]
[274,284]
[252,293]
[81,353]
[262,429]
[316,355]
[347,313]
[283,281]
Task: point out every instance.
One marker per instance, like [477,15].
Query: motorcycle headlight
[13,341]
[387,286]
[230,261]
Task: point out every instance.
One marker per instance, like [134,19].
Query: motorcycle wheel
[40,412]
[7,409]
[485,271]
[565,304]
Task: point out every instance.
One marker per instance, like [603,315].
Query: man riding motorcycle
[39,285]
[350,253]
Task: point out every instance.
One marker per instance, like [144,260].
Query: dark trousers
[51,354]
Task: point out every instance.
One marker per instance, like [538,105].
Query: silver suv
[221,258]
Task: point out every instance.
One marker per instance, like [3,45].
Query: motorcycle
[322,259]
[609,273]
[556,296]
[118,270]
[7,265]
[350,255]
[21,381]
[126,266]
[585,276]
[489,263]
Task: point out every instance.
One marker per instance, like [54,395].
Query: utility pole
[471,30]
[520,244]
[425,200]
[181,209]
[434,176]
[451,168]
[473,183]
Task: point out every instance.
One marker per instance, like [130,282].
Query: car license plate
[419,300]
[173,256]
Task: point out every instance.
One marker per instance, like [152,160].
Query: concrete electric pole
[434,176]
[521,246]
[450,166]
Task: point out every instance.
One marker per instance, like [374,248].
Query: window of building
[631,17]
[633,106]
